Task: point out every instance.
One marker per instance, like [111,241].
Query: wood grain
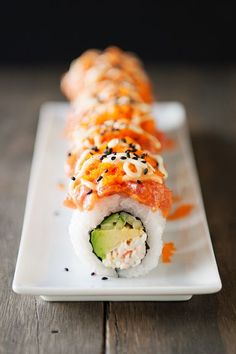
[205,324]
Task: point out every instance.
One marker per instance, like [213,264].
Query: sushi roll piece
[118,237]
[121,204]
[111,65]
[118,108]
[118,132]
[108,101]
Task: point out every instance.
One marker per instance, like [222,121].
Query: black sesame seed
[124,140]
[136,155]
[93,273]
[99,178]
[102,157]
[145,171]
[73,178]
[89,192]
[113,158]
[143,155]
[138,181]
[123,157]
[106,170]
[157,164]
[108,151]
[94,148]
[104,278]
[66,269]
[143,161]
[69,154]
[135,158]
[128,154]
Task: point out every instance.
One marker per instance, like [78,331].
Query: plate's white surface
[45,248]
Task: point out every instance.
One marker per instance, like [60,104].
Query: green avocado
[104,241]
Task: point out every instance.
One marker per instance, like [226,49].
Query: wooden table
[205,324]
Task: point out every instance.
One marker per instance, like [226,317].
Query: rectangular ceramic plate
[45,248]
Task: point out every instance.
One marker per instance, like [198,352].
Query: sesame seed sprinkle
[99,178]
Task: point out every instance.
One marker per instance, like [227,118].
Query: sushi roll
[117,175]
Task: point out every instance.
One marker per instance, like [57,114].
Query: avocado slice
[104,241]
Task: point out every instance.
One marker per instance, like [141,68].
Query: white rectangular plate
[45,249]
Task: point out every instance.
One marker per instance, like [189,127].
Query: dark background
[163,31]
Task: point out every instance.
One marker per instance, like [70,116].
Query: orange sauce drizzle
[167,252]
[181,212]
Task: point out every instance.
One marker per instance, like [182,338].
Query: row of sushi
[117,175]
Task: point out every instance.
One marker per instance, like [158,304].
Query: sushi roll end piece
[121,237]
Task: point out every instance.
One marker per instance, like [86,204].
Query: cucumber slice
[107,226]
[124,215]
[120,223]
[130,219]
[113,218]
[137,224]
[119,220]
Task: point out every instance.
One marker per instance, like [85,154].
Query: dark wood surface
[205,324]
